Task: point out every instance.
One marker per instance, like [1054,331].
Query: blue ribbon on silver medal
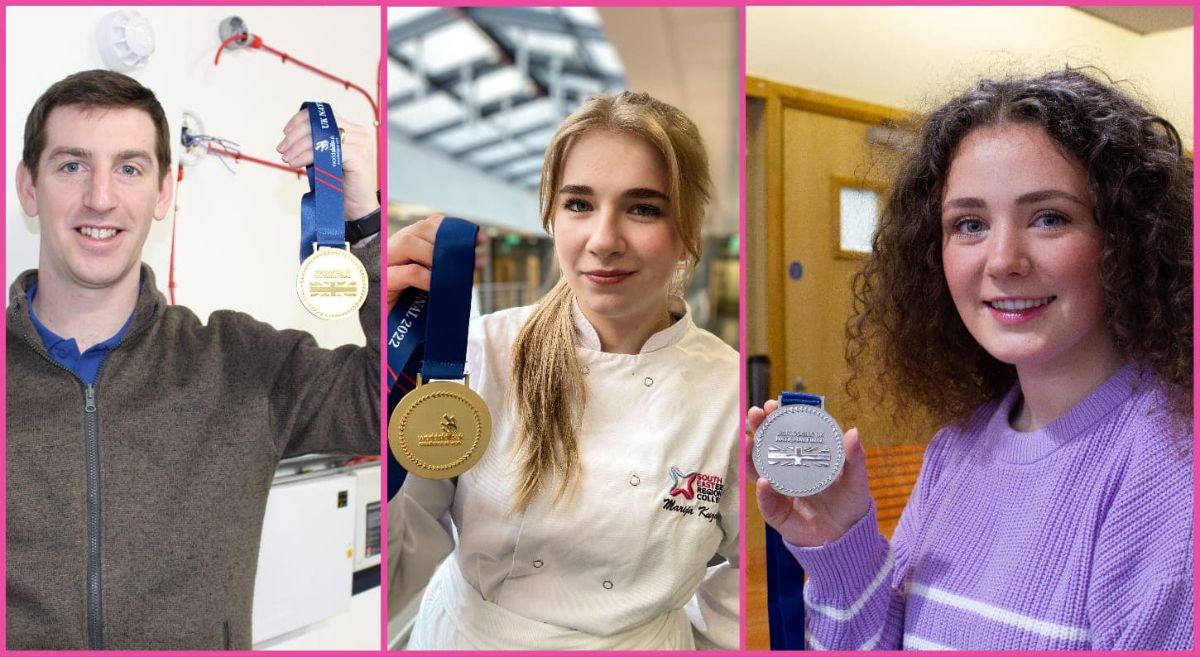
[322,209]
[785,577]
[441,354]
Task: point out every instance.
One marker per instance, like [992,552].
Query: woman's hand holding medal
[410,256]
[816,519]
[439,427]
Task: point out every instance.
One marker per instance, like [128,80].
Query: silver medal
[798,448]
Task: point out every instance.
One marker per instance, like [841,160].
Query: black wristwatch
[363,228]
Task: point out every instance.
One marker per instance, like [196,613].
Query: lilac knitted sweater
[1077,536]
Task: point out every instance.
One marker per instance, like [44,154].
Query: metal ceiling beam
[492,23]
[479,68]
[525,171]
[537,61]
[492,109]
[529,18]
[507,50]
[463,152]
[439,85]
[581,49]
[420,26]
[500,164]
[485,111]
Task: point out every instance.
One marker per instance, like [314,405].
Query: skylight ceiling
[487,86]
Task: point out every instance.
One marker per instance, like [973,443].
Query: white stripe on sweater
[1000,615]
[813,644]
[839,614]
[870,644]
[913,642]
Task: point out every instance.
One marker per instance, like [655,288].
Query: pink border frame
[741,6]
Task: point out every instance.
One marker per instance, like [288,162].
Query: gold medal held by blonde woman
[441,428]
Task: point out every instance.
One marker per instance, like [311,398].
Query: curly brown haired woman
[1031,285]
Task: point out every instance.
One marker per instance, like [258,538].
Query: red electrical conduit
[174,223]
[179,183]
[250,158]
[257,42]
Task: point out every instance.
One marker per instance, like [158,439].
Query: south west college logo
[705,489]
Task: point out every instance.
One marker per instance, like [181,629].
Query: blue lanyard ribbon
[322,209]
[785,578]
[440,353]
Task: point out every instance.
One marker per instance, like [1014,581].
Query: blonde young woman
[610,484]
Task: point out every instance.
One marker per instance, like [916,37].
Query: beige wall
[913,57]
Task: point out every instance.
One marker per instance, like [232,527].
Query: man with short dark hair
[141,443]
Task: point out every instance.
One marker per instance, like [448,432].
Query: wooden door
[812,147]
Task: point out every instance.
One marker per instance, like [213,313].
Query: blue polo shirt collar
[65,351]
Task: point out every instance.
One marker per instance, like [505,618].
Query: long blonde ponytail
[550,395]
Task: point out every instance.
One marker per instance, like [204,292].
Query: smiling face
[1021,248]
[98,189]
[613,230]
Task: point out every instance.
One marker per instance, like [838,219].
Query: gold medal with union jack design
[332,283]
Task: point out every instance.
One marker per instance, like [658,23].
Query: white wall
[913,57]
[237,234]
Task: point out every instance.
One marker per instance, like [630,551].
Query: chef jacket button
[647,382]
[537,563]
[634,480]
[585,369]
[607,584]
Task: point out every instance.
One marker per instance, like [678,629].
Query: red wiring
[257,42]
[250,158]
[179,183]
[236,37]
[174,223]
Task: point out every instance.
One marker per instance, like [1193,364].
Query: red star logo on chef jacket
[682,484]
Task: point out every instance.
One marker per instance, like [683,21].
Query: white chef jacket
[621,560]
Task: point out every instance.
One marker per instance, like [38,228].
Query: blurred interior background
[829,91]
[475,94]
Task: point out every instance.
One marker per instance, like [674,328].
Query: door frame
[777,97]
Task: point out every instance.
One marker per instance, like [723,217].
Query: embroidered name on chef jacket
[695,494]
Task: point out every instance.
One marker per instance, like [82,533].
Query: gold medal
[439,429]
[332,283]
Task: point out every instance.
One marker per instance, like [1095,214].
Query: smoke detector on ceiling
[126,40]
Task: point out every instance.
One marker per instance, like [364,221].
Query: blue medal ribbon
[789,398]
[785,577]
[322,209]
[441,353]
